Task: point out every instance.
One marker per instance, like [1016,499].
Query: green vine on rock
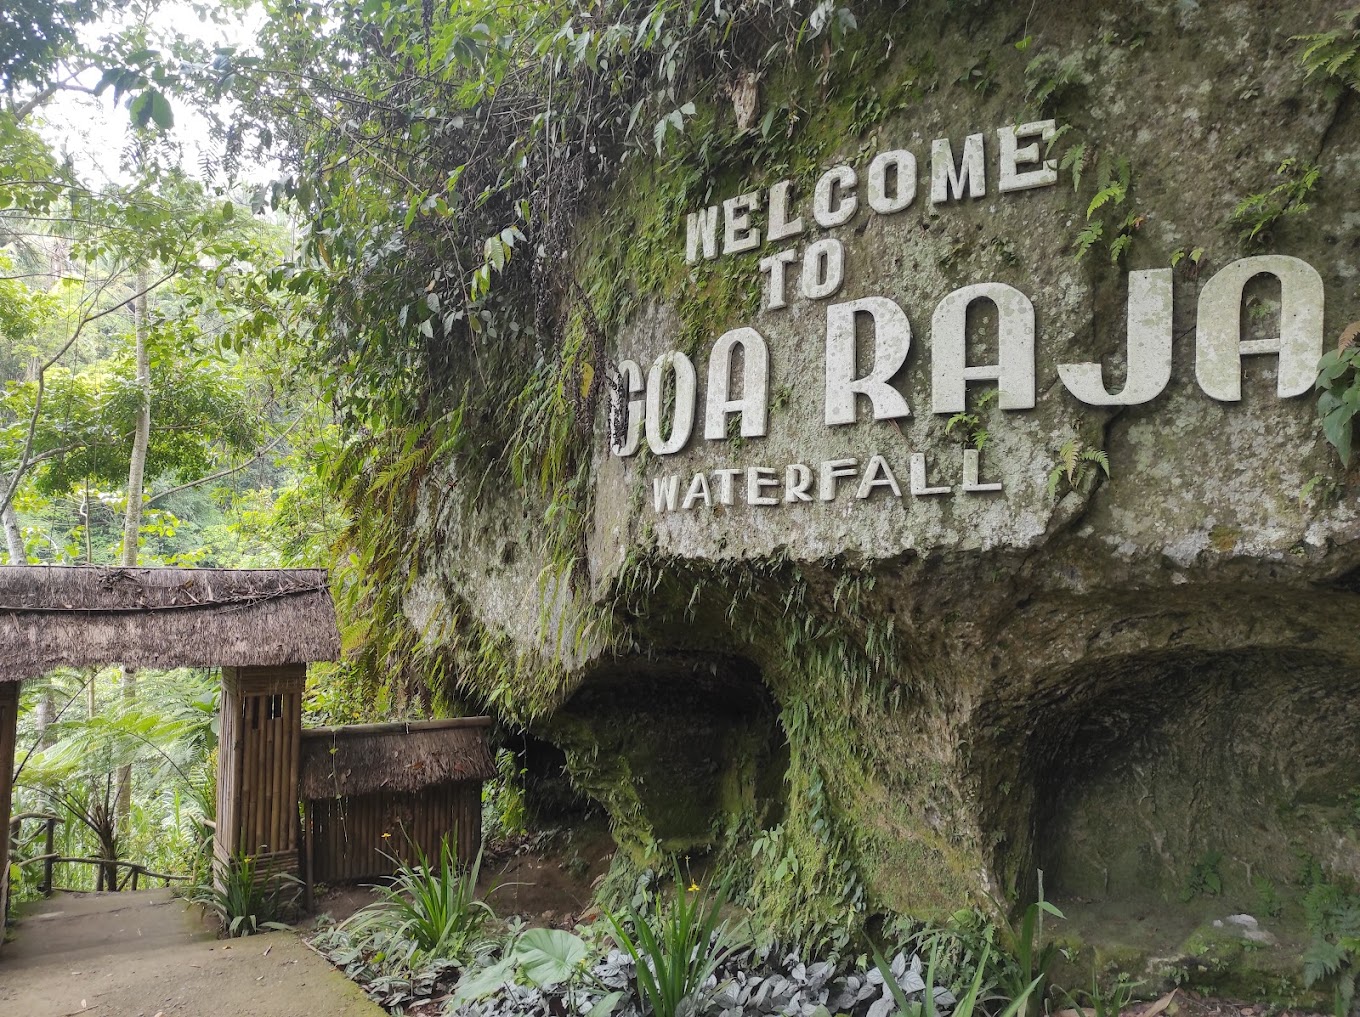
[1257,215]
[1338,387]
[1334,55]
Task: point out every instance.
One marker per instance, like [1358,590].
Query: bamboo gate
[416,782]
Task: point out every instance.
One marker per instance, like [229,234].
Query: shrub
[243,903]
[677,949]
[434,910]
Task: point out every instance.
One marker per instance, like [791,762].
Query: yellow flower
[387,836]
[693,887]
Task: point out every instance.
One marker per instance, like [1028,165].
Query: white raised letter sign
[823,269]
[946,182]
[904,163]
[626,421]
[755,373]
[834,201]
[781,227]
[1219,346]
[701,229]
[1010,178]
[1149,362]
[1014,372]
[773,267]
[892,341]
[738,235]
[685,394]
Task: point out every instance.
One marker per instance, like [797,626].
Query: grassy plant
[1107,1002]
[433,910]
[1333,916]
[243,903]
[1338,388]
[676,949]
[1204,879]
[1257,215]
[1334,56]
[1023,976]
[1026,1000]
[972,432]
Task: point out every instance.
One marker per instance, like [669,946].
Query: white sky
[95,131]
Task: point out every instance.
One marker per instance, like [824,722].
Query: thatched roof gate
[72,616]
[261,626]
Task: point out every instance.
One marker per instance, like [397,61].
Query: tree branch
[26,459]
[260,454]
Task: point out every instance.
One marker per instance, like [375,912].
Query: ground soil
[148,954]
[544,880]
[1182,1003]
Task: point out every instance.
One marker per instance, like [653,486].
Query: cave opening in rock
[678,749]
[1186,783]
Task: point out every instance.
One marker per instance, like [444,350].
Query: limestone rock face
[1127,681]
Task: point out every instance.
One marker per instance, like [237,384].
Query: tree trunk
[132,520]
[43,715]
[14,539]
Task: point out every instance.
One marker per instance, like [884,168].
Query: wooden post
[257,768]
[9,733]
[308,857]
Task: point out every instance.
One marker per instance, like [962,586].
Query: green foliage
[970,1003]
[503,799]
[971,430]
[677,949]
[1334,56]
[1114,182]
[1204,878]
[244,903]
[1338,388]
[1051,80]
[1257,215]
[34,33]
[1000,962]
[543,958]
[429,911]
[1024,979]
[1333,917]
[1076,465]
[1109,1000]
[1191,257]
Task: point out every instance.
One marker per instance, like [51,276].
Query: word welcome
[891,188]
[642,403]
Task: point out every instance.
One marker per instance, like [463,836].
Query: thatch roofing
[363,758]
[76,616]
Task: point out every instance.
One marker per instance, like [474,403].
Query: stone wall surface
[1116,682]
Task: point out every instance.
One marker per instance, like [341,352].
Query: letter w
[665,490]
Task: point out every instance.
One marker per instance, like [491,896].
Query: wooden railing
[108,867]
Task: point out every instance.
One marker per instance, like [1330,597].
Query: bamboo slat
[258,774]
[345,841]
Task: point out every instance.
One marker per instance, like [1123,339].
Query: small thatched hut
[262,627]
[374,792]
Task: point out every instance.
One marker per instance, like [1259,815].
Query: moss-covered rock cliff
[907,703]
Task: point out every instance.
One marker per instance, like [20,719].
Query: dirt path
[147,955]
